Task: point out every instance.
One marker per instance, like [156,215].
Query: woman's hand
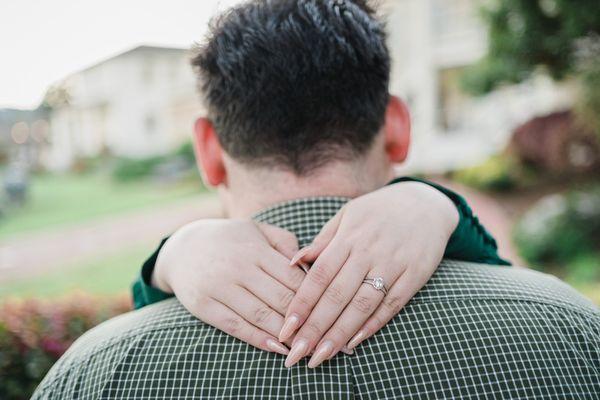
[398,233]
[234,275]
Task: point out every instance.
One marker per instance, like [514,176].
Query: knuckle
[285,298]
[254,336]
[319,276]
[374,324]
[363,304]
[340,332]
[393,303]
[232,326]
[262,314]
[302,305]
[314,329]
[335,295]
[296,277]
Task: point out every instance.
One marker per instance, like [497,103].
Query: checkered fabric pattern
[474,331]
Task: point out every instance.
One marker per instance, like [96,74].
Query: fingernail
[346,350]
[298,351]
[355,341]
[323,351]
[289,327]
[304,266]
[277,347]
[299,255]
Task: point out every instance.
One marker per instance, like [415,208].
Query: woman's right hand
[234,275]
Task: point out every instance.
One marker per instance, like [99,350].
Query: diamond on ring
[378,283]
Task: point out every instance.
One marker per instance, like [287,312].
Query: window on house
[452,99]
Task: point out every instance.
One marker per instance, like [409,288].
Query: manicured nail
[301,253]
[298,351]
[289,327]
[322,352]
[304,266]
[355,341]
[277,347]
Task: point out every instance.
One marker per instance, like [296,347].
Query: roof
[136,49]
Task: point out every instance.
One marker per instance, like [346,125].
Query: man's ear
[397,130]
[209,154]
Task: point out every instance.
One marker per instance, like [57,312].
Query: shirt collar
[303,217]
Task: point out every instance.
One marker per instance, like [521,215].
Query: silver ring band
[378,283]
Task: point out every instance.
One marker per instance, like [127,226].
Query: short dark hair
[295,83]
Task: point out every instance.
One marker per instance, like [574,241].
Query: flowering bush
[34,334]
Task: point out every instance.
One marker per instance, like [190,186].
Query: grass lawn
[107,275]
[56,200]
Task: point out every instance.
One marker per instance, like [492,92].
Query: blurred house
[143,102]
[432,41]
[136,104]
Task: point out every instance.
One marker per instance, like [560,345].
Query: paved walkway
[47,251]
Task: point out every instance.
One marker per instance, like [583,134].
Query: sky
[42,41]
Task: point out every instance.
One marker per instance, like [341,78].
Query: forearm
[470,241]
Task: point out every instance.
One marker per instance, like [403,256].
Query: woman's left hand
[398,233]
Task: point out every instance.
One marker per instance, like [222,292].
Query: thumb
[310,253]
[280,239]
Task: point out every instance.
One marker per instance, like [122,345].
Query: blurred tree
[588,104]
[525,35]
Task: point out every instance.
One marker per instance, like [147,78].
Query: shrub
[588,101]
[498,173]
[562,233]
[556,143]
[34,334]
[128,169]
[186,152]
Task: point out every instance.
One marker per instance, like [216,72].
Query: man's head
[296,86]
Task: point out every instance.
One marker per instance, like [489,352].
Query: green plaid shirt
[473,331]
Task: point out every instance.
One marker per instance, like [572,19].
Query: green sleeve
[143,292]
[470,240]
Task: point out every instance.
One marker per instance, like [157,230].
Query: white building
[431,42]
[136,104]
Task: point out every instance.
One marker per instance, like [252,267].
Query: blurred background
[97,104]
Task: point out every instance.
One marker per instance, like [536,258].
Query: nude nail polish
[298,351]
[301,253]
[289,327]
[322,352]
[355,341]
[277,347]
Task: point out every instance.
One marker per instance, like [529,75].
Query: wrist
[160,277]
[441,207]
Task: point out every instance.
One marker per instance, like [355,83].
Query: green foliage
[130,169]
[562,233]
[588,104]
[33,335]
[527,34]
[186,152]
[498,173]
